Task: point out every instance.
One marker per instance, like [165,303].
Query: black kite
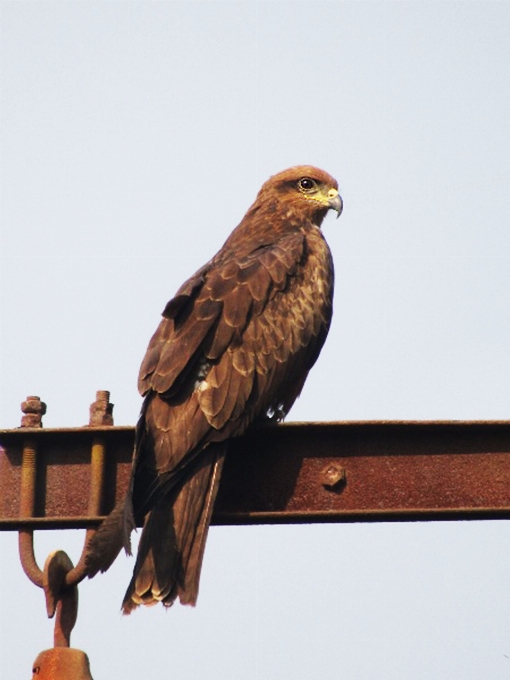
[234,347]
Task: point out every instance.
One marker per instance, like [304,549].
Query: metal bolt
[101,411]
[34,409]
[333,476]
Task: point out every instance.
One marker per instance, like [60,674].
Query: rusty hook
[60,598]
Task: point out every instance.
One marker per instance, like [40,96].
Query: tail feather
[104,546]
[173,540]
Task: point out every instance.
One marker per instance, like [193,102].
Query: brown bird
[233,349]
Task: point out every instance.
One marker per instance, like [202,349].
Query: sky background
[134,136]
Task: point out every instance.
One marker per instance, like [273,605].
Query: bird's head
[303,190]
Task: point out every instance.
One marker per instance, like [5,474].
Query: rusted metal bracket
[304,472]
[60,577]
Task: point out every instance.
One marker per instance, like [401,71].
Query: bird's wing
[210,315]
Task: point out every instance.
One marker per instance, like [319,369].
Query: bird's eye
[307,184]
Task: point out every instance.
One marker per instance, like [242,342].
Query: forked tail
[172,544]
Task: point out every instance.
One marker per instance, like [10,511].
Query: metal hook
[60,599]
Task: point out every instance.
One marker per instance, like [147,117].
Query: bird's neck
[265,223]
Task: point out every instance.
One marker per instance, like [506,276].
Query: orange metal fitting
[61,664]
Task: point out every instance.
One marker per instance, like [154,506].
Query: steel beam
[291,473]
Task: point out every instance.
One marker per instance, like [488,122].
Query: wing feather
[236,307]
[186,292]
[219,284]
[259,282]
[151,359]
[174,356]
[244,361]
[233,397]
[244,394]
[214,390]
[221,339]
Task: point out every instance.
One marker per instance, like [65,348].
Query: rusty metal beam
[304,472]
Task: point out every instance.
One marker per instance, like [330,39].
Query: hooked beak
[335,201]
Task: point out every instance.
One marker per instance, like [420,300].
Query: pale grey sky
[134,137]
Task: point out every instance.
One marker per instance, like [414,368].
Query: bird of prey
[234,348]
